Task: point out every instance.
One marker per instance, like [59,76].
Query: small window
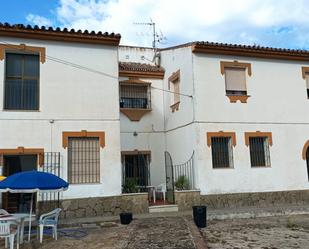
[307,83]
[83,160]
[175,90]
[235,81]
[259,151]
[135,96]
[174,87]
[222,152]
[21,91]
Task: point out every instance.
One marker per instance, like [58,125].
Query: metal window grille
[259,151]
[21,91]
[136,167]
[135,96]
[83,160]
[222,152]
[51,165]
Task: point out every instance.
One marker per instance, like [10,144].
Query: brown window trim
[134,114]
[236,64]
[305,148]
[244,65]
[232,135]
[24,151]
[241,98]
[135,81]
[175,107]
[83,133]
[141,74]
[174,77]
[304,71]
[136,152]
[258,134]
[23,48]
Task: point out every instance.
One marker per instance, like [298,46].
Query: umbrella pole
[30,217]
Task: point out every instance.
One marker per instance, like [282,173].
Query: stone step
[163,208]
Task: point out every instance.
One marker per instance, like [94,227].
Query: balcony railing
[135,96]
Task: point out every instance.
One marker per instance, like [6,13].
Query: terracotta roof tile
[140,69]
[252,51]
[65,35]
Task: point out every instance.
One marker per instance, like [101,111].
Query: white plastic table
[19,219]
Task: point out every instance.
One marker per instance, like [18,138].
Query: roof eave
[59,36]
[141,74]
[258,53]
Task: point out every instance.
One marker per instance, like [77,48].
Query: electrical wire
[81,67]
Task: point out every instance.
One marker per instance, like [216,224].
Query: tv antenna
[156,37]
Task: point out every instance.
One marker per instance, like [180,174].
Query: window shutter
[235,79]
[176,92]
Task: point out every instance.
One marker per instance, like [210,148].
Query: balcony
[135,100]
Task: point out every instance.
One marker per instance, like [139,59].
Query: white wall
[76,100]
[278,104]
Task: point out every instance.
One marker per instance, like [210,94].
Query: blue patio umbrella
[33,182]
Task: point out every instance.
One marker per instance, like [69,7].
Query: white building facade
[234,119]
[242,110]
[59,107]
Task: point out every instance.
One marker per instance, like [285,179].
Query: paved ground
[281,232]
[149,233]
[177,231]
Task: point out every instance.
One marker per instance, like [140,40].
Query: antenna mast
[154,33]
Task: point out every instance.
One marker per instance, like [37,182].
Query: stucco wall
[278,104]
[75,99]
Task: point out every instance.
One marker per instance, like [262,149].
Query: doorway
[18,202]
[136,170]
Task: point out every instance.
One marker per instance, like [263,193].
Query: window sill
[175,107]
[134,114]
[19,110]
[85,183]
[223,168]
[260,167]
[241,98]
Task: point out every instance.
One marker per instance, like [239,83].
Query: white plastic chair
[4,212]
[49,220]
[161,188]
[8,233]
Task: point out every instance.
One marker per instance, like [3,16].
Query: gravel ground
[281,232]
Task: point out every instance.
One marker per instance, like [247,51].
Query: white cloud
[39,20]
[237,21]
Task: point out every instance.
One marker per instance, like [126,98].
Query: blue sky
[261,22]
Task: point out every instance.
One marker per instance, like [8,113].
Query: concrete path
[164,233]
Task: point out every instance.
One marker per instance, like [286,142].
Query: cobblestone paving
[163,233]
[284,232]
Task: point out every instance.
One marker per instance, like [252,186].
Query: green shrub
[182,183]
[130,186]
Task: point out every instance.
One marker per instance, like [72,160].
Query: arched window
[305,155]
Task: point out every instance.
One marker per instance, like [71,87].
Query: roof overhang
[250,51]
[64,35]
